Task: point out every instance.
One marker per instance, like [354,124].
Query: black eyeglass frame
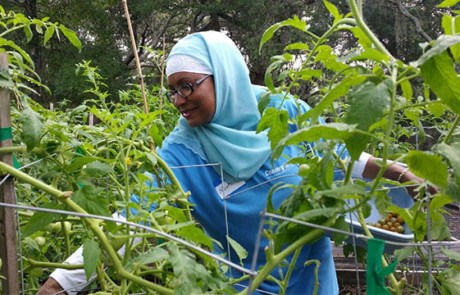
[189,86]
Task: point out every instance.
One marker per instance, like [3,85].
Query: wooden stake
[8,230]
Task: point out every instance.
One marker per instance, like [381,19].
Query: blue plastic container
[400,198]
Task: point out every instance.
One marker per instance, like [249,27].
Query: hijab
[230,137]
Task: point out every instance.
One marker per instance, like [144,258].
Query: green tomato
[117,242]
[54,227]
[41,241]
[165,220]
[304,169]
[67,226]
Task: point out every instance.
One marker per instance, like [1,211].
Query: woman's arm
[395,172]
[51,286]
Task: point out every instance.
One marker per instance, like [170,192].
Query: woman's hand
[406,176]
[397,173]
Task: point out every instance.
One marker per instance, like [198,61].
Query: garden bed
[352,275]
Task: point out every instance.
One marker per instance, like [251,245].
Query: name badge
[224,189]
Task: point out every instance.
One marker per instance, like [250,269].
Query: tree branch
[415,20]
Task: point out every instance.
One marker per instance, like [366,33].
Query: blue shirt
[235,209]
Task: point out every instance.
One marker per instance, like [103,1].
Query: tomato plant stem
[357,14]
[12,149]
[35,182]
[91,223]
[452,130]
[273,260]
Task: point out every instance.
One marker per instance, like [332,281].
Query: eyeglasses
[185,90]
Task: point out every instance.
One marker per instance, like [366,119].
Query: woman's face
[200,106]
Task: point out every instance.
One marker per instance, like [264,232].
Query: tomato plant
[368,94]
[79,169]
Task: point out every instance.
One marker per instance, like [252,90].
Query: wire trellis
[252,272]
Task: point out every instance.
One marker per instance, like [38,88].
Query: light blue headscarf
[230,137]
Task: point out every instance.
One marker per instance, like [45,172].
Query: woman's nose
[178,100]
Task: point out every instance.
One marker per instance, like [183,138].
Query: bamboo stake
[138,63]
[136,56]
[8,237]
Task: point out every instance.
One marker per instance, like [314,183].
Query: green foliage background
[367,92]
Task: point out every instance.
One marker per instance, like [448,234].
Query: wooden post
[8,233]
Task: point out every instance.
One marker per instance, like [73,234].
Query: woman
[210,86]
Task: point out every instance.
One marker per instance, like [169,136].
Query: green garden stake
[6,134]
[16,163]
[375,274]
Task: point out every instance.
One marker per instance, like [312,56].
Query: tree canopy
[157,24]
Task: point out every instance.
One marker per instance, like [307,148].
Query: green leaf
[78,162]
[195,234]
[340,191]
[406,88]
[157,254]
[333,10]
[452,153]
[369,103]
[439,226]
[356,145]
[363,39]
[437,109]
[338,90]
[92,200]
[25,55]
[263,103]
[40,219]
[297,46]
[440,75]
[276,121]
[447,3]
[428,166]
[187,272]
[91,255]
[404,252]
[28,32]
[152,159]
[5,80]
[451,26]
[308,74]
[315,213]
[325,54]
[32,128]
[370,53]
[450,281]
[294,22]
[240,251]
[268,76]
[71,36]
[97,169]
[413,115]
[439,46]
[314,133]
[382,201]
[340,224]
[49,33]
[454,255]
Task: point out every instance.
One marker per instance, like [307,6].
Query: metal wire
[361,236]
[132,224]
